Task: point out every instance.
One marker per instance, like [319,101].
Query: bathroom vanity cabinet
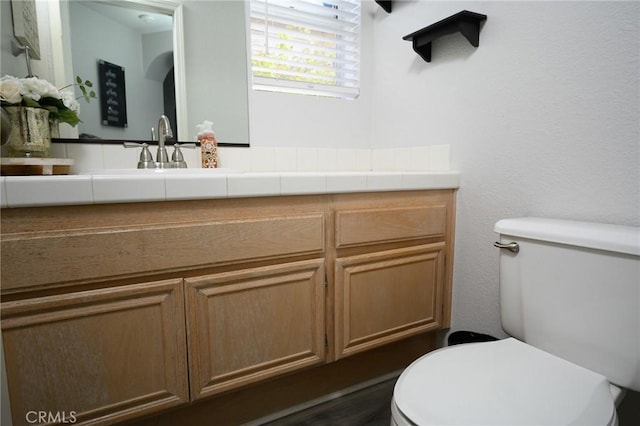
[390,268]
[112,312]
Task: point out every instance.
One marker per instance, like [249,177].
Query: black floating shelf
[465,22]
[385,4]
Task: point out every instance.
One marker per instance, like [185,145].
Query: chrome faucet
[164,131]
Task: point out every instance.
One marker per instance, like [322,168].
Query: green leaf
[52,109]
[69,117]
[30,102]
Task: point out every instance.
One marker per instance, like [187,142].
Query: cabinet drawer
[358,227]
[105,355]
[33,260]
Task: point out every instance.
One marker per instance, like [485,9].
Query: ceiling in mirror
[142,21]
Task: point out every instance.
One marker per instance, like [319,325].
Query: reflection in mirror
[140,44]
[142,37]
[217,67]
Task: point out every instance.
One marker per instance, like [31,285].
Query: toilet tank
[573,290]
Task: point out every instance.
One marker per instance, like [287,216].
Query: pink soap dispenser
[208,145]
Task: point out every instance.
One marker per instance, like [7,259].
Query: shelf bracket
[385,4]
[465,22]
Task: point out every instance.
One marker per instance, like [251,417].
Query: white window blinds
[306,46]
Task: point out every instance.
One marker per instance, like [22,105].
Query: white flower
[69,100]
[10,89]
[35,88]
[37,93]
[50,91]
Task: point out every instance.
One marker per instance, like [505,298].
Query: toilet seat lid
[505,382]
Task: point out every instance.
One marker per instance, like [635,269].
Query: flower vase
[54,128]
[30,132]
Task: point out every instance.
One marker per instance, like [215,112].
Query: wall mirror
[147,39]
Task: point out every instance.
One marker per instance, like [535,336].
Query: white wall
[542,119]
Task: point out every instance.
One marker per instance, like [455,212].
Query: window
[306,46]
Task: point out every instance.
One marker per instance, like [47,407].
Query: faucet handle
[177,159]
[146,159]
[134,144]
[190,145]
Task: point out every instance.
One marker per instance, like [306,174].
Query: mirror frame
[158,6]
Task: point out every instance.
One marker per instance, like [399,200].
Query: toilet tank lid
[615,238]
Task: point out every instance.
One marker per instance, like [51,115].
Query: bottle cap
[205,129]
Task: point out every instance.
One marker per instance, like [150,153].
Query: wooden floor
[367,407]
[371,407]
[629,410]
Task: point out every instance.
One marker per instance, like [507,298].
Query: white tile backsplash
[262,159]
[307,159]
[285,159]
[274,159]
[439,157]
[414,158]
[86,156]
[119,157]
[234,158]
[384,159]
[354,159]
[192,156]
[327,159]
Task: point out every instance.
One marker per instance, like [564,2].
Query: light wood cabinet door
[104,355]
[386,296]
[249,325]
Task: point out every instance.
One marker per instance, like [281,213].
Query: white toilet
[570,297]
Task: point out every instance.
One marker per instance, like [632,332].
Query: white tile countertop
[123,186]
